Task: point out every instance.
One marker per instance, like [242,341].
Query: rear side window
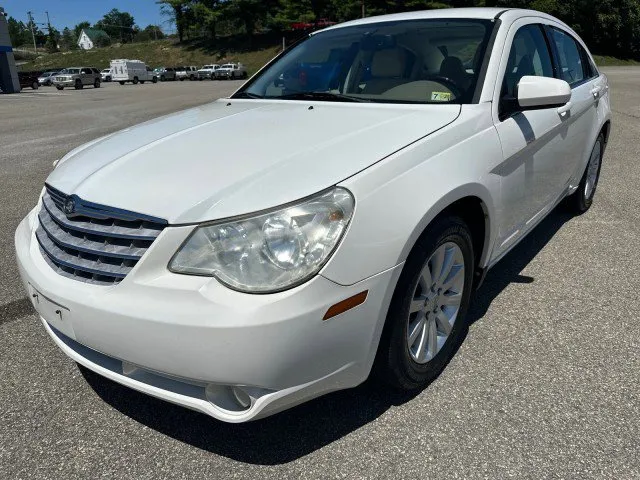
[573,69]
[529,55]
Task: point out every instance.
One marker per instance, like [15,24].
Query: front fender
[397,198]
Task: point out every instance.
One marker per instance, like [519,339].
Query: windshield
[408,61]
[228,65]
[71,71]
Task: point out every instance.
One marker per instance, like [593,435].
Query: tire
[142,82]
[35,85]
[78,85]
[396,363]
[162,79]
[581,200]
[121,83]
[155,80]
[244,75]
[59,87]
[182,79]
[96,84]
[135,80]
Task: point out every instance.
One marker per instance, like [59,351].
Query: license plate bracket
[52,312]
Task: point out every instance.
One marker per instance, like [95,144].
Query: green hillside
[155,53]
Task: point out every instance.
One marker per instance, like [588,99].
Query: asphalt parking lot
[546,384]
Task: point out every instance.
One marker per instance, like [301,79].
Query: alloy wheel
[436,301]
[592,170]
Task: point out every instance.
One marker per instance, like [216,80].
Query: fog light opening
[241,397]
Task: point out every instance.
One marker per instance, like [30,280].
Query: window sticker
[440,96]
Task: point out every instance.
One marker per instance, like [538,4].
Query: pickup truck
[231,71]
[208,72]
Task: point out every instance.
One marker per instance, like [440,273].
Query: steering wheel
[447,82]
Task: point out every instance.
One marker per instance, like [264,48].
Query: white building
[89,37]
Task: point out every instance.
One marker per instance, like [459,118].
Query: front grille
[94,244]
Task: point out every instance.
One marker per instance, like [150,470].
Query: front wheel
[35,85]
[135,80]
[79,85]
[581,200]
[96,84]
[155,80]
[426,319]
[59,87]
[121,83]
[142,82]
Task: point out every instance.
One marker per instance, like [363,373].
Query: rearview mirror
[542,92]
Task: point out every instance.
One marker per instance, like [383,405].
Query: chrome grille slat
[95,244]
[67,240]
[84,225]
[58,255]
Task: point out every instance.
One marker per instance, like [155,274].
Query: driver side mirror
[536,93]
[542,92]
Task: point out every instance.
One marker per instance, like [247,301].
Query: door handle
[596,92]
[564,109]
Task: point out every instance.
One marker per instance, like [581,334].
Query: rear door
[532,175]
[575,67]
[86,76]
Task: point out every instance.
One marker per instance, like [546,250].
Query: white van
[133,71]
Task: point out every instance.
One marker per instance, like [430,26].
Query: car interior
[435,62]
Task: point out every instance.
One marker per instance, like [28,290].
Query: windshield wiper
[247,95]
[323,96]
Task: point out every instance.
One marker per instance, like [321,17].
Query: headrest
[388,63]
[451,67]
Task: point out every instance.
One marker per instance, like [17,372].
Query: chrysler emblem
[69,206]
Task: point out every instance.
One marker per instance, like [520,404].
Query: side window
[572,68]
[529,55]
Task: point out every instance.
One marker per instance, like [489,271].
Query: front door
[534,171]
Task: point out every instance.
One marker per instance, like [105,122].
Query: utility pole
[33,35]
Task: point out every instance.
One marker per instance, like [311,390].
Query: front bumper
[64,83]
[190,340]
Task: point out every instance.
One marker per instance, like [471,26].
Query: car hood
[233,157]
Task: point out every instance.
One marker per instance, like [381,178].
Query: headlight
[272,251]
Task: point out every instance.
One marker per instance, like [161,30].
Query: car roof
[482,13]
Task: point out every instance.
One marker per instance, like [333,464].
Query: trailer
[134,71]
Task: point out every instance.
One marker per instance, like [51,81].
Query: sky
[67,13]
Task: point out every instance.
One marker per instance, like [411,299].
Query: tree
[117,24]
[52,40]
[150,32]
[176,10]
[77,30]
[18,32]
[67,40]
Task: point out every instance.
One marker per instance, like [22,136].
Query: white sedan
[379,169]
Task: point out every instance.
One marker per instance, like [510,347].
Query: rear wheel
[78,85]
[35,85]
[96,83]
[426,318]
[162,79]
[581,200]
[142,82]
[59,87]
[155,80]
[135,80]
[121,83]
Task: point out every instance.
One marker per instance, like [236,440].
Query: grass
[169,53]
[154,54]
[605,61]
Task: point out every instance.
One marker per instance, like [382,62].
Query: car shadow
[300,431]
